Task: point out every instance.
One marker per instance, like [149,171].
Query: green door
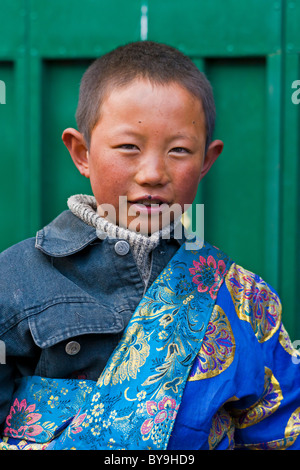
[250,52]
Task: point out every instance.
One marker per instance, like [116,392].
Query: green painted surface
[59,176]
[233,191]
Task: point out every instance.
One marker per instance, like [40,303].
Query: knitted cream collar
[85,207]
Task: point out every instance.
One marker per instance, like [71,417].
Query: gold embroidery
[221,426]
[218,347]
[254,302]
[266,406]
[292,430]
[291,433]
[286,343]
[129,358]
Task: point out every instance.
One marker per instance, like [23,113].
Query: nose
[152,171]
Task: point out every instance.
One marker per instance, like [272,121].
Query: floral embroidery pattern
[291,434]
[287,345]
[130,357]
[207,274]
[159,413]
[222,426]
[32,419]
[76,423]
[21,445]
[183,286]
[218,347]
[254,302]
[22,420]
[266,406]
[134,403]
[292,430]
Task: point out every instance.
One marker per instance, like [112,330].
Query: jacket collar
[66,235]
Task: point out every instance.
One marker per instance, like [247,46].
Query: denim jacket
[66,297]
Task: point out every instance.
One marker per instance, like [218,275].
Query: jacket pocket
[75,338]
[63,320]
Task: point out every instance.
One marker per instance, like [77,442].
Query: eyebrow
[130,132]
[125,131]
[183,136]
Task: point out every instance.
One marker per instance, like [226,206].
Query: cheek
[188,184]
[99,167]
[107,180]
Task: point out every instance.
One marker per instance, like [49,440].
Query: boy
[119,336]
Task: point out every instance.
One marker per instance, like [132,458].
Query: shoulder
[254,301]
[29,278]
[17,257]
[26,273]
[19,269]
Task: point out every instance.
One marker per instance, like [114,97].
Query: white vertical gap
[144,22]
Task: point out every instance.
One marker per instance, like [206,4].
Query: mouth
[146,205]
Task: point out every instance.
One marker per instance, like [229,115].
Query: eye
[180,150]
[128,147]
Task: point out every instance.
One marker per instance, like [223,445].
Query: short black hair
[159,63]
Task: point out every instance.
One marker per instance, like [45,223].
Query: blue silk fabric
[205,363]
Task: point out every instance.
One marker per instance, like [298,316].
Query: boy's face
[149,141]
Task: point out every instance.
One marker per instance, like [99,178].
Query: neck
[85,207]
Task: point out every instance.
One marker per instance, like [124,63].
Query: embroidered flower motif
[141,395]
[113,414]
[221,426]
[129,358]
[96,430]
[53,401]
[268,403]
[166,319]
[75,426]
[162,335]
[111,442]
[254,302]
[207,274]
[22,421]
[159,413]
[218,347]
[97,410]
[183,286]
[96,396]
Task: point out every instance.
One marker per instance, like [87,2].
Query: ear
[213,152]
[75,143]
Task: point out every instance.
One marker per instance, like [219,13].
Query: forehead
[143,98]
[140,83]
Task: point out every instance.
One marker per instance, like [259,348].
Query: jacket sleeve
[18,350]
[273,420]
[7,384]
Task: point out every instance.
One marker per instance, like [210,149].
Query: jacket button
[122,247]
[72,348]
